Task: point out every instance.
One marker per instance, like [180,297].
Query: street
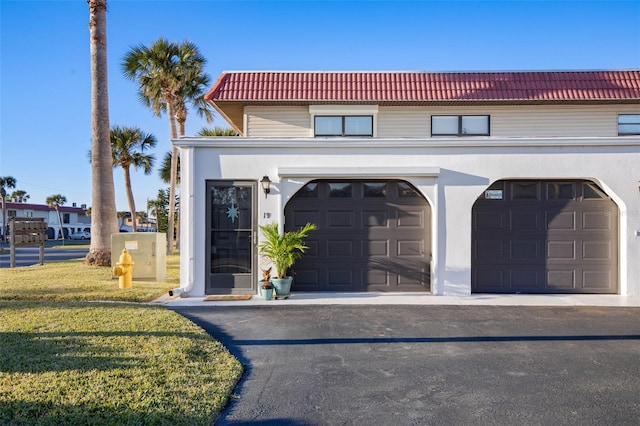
[29,255]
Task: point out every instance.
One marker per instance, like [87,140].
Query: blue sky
[45,77]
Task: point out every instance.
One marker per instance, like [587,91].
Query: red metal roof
[390,87]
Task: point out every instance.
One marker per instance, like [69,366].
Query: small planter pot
[266,293]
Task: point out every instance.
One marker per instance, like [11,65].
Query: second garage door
[372,236]
[545,237]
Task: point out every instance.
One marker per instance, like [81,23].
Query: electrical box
[148,251]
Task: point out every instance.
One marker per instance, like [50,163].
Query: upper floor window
[343,125]
[628,124]
[459,125]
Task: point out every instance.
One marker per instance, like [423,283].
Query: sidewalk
[297,299]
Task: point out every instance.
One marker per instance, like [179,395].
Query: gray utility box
[148,252]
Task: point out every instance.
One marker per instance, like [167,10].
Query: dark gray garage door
[544,237]
[372,236]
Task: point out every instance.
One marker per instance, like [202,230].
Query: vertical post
[12,246]
[42,253]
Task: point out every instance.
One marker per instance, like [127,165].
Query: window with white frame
[628,124]
[459,125]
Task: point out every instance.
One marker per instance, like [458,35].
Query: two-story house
[448,183]
[74,218]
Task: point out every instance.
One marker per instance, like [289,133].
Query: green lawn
[65,359]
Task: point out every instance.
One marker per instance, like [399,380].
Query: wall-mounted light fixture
[266,185]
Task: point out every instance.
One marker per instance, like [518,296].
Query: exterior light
[266,185]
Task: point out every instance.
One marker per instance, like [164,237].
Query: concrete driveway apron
[414,365]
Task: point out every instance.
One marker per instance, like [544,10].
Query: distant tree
[103,220]
[6,182]
[217,131]
[169,76]
[19,196]
[56,201]
[128,146]
[159,208]
[121,218]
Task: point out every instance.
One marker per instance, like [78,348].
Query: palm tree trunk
[132,203]
[60,223]
[104,221]
[174,179]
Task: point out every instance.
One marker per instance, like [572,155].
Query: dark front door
[230,247]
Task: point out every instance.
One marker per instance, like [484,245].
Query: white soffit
[361,172]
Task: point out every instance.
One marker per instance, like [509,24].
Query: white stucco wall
[451,173]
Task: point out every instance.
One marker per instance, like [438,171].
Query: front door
[231,227]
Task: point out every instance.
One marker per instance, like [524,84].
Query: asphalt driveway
[415,365]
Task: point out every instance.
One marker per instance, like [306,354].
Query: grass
[66,359]
[72,280]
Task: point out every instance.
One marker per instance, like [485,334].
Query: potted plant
[266,289]
[282,250]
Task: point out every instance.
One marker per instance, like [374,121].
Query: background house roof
[233,90]
[43,207]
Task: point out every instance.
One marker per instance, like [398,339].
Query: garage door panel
[341,276]
[411,218]
[597,221]
[526,278]
[375,248]
[489,220]
[340,248]
[302,217]
[377,219]
[597,250]
[373,236]
[575,251]
[307,278]
[340,219]
[561,250]
[596,280]
[407,248]
[525,250]
[490,250]
[490,279]
[563,280]
[561,220]
[525,220]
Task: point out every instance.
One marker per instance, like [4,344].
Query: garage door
[372,236]
[544,237]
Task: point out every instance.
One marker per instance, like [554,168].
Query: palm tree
[19,196]
[5,182]
[165,169]
[128,146]
[170,76]
[103,220]
[55,201]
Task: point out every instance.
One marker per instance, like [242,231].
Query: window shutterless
[459,125]
[344,125]
[628,124]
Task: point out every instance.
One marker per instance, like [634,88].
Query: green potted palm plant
[282,250]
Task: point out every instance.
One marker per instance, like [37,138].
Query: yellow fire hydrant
[124,269]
